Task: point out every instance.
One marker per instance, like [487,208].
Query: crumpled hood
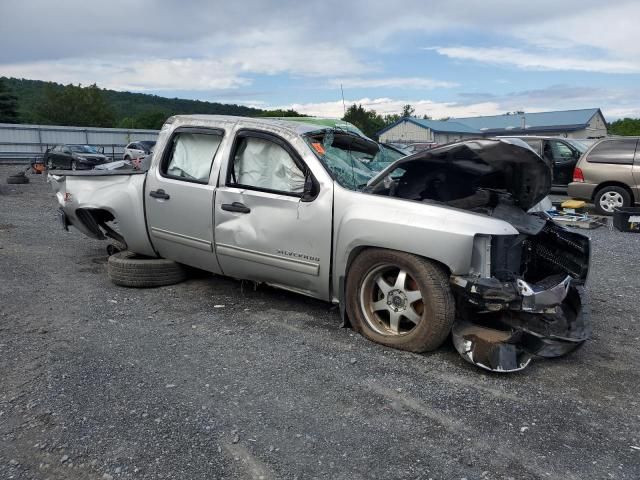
[510,163]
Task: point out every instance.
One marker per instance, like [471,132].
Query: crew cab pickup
[445,241]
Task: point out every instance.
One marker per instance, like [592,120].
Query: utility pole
[344,109]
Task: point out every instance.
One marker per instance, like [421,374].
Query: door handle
[159,194]
[235,207]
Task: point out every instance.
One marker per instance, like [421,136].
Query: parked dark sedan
[74,157]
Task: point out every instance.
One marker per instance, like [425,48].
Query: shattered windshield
[352,159]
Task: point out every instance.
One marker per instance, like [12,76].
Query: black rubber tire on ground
[132,270]
[433,282]
[623,193]
[17,179]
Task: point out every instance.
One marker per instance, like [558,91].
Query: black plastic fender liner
[508,341]
[490,349]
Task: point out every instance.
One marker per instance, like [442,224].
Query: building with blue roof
[585,123]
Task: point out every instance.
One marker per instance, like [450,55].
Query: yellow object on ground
[573,204]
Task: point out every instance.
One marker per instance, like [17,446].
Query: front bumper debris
[493,295]
[501,327]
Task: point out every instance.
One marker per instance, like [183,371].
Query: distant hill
[130,109]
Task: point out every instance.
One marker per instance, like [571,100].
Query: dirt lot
[213,379]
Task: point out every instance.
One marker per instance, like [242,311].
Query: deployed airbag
[264,164]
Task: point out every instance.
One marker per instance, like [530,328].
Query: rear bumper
[581,190]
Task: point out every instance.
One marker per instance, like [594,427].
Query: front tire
[399,300]
[608,198]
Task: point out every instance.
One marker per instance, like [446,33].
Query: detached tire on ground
[132,270]
[399,300]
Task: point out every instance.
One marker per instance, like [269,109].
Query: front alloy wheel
[391,301]
[399,300]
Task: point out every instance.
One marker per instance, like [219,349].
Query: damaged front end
[523,295]
[531,304]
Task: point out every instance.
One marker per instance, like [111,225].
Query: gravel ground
[213,379]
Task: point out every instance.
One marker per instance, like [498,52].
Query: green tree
[75,105]
[366,120]
[408,111]
[280,113]
[391,118]
[625,126]
[8,104]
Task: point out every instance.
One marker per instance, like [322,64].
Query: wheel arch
[613,183]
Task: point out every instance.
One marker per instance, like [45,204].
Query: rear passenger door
[179,198]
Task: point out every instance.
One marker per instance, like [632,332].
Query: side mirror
[101,149]
[309,192]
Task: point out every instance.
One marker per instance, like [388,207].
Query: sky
[446,58]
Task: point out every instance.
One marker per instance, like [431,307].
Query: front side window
[265,165]
[191,156]
[561,151]
[614,151]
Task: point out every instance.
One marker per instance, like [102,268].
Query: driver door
[272,218]
[564,160]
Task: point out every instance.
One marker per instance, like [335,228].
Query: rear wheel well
[95,220]
[613,184]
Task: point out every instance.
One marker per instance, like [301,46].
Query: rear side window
[191,155]
[618,151]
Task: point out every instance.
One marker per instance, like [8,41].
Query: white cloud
[611,28]
[385,106]
[392,82]
[139,75]
[552,60]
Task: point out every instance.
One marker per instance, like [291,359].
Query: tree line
[48,103]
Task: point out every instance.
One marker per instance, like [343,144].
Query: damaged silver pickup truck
[413,249]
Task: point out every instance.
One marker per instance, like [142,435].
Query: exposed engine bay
[524,296]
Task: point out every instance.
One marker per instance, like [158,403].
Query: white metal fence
[24,143]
